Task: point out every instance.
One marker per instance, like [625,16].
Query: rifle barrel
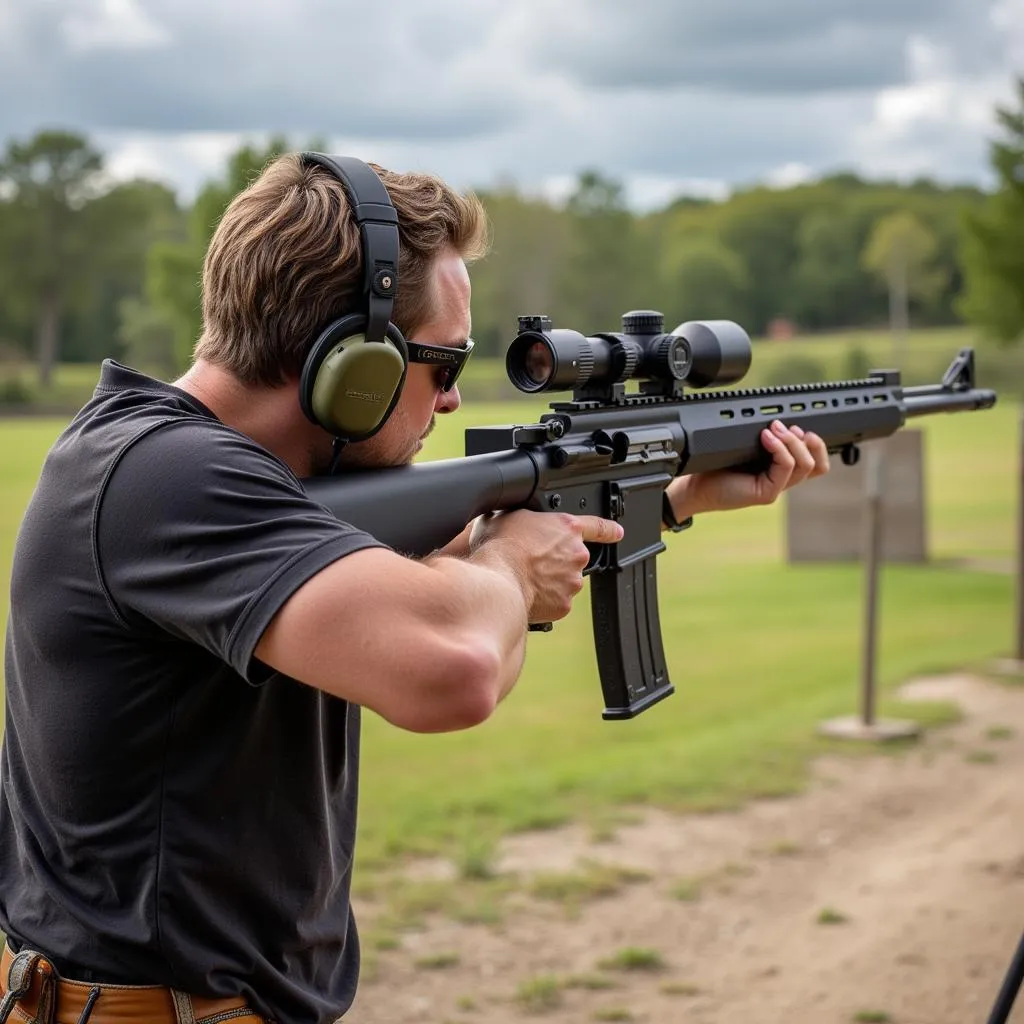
[924,403]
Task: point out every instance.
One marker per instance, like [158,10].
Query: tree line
[90,267]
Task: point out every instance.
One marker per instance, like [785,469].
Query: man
[191,638]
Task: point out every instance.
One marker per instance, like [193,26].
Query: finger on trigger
[602,531]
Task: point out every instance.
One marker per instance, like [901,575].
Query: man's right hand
[547,552]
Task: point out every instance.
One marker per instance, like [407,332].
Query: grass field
[760,652]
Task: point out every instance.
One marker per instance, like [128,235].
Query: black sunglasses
[451,360]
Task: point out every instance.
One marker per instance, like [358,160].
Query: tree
[993,256]
[762,226]
[704,280]
[601,274]
[900,252]
[48,183]
[175,268]
[121,225]
[829,286]
[994,276]
[519,274]
[146,335]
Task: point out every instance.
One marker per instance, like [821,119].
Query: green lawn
[759,651]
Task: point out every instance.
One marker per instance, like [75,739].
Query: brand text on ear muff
[355,386]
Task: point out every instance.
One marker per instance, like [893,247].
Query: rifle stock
[418,509]
[613,456]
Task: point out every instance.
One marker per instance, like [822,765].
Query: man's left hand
[797,455]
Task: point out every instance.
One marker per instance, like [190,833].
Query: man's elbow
[460,691]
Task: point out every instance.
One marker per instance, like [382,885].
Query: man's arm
[430,646]
[434,645]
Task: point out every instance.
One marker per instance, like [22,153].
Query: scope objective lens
[538,363]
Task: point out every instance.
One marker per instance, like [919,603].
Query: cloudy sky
[669,96]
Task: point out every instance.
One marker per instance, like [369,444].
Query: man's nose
[448,401]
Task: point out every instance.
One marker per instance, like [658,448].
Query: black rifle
[612,452]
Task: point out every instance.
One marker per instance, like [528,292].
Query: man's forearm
[493,587]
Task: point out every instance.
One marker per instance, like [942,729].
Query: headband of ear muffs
[354,372]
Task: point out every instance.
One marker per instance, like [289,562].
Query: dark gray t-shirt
[171,811]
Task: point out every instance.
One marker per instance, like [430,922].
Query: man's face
[398,441]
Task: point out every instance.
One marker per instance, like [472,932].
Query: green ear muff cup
[355,385]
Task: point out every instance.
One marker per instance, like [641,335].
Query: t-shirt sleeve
[204,535]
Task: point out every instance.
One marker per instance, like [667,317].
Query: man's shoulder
[139,424]
[185,459]
[126,405]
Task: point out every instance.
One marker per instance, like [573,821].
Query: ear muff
[354,373]
[348,386]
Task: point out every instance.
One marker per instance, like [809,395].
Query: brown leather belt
[82,1001]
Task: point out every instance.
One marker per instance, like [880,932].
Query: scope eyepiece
[543,358]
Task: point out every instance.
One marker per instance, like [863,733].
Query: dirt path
[892,890]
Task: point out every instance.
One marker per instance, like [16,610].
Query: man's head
[286,260]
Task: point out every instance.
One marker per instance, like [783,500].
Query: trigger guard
[598,557]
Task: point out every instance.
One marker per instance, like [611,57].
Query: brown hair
[286,260]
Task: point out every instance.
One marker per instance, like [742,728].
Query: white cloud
[670,98]
[1007,17]
[936,124]
[555,188]
[115,25]
[646,192]
[180,161]
[788,175]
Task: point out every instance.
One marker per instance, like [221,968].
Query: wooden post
[867,725]
[872,555]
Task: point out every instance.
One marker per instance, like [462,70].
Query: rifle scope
[698,353]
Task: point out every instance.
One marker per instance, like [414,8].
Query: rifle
[612,452]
